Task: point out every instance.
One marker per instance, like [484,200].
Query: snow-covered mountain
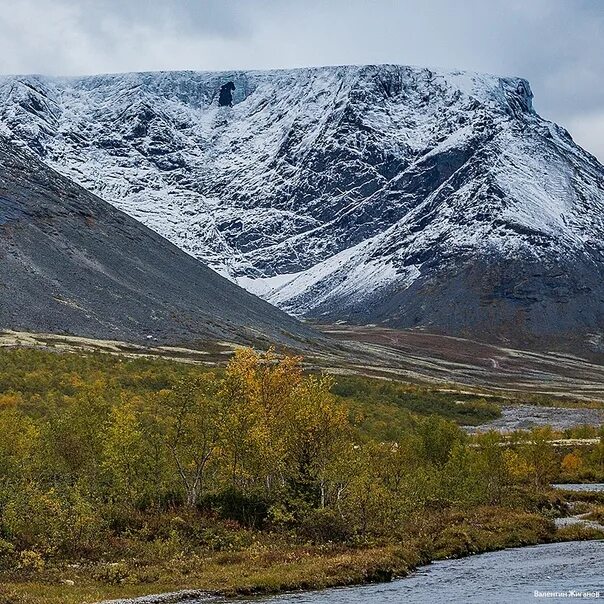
[389,194]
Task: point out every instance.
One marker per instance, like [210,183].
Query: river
[590,487]
[525,417]
[506,577]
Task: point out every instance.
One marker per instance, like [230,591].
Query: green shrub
[249,509]
[115,573]
[323,525]
[8,558]
[30,561]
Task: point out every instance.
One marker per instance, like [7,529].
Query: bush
[454,542]
[251,510]
[8,557]
[113,574]
[30,561]
[323,525]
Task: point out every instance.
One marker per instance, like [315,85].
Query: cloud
[557,44]
[588,131]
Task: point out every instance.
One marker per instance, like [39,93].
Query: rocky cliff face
[387,194]
[71,263]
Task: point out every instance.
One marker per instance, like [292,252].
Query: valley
[292,329]
[420,355]
[92,434]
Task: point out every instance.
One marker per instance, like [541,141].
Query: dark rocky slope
[69,262]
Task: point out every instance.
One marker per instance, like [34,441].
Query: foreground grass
[267,567]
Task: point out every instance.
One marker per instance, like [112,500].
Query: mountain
[375,194]
[72,263]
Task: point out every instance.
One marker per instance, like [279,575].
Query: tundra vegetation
[128,476]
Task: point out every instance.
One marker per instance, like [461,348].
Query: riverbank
[269,569]
[506,576]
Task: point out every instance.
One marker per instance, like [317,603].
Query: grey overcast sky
[558,45]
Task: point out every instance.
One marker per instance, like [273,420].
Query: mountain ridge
[383,194]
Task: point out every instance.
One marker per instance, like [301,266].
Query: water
[525,417]
[590,487]
[506,577]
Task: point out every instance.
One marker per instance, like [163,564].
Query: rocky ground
[525,417]
[421,356]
